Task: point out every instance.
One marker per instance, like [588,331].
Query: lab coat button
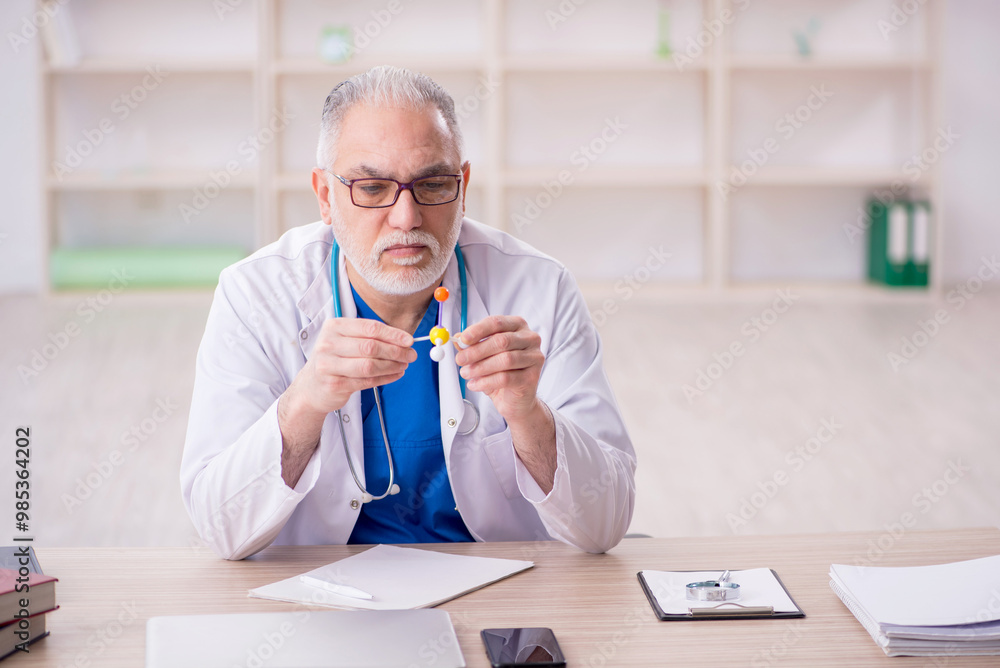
[347,418]
[304,335]
[354,504]
[452,422]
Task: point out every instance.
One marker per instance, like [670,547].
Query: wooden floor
[810,429]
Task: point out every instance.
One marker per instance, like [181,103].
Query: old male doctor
[317,419]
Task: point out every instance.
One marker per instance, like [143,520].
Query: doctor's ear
[466,171]
[321,188]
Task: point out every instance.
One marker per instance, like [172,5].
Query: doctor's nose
[405,214]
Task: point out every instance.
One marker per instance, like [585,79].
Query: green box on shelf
[173,267]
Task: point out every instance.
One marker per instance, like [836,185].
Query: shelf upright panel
[934,45]
[496,123]
[266,214]
[46,150]
[717,233]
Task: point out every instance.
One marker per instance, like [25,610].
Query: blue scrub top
[424,510]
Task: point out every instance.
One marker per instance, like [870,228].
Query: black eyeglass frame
[400,187]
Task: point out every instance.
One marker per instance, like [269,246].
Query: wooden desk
[593,602]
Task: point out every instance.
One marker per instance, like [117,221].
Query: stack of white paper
[398,578]
[943,610]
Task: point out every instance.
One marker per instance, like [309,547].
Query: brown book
[17,634]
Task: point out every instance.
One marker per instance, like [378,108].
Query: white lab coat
[266,315]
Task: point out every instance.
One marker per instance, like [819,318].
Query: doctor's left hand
[504,361]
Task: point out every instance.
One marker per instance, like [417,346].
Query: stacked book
[26,594]
[943,610]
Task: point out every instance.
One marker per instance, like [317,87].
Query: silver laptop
[305,639]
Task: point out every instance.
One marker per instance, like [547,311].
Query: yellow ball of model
[439,336]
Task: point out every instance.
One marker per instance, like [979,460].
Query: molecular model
[439,334]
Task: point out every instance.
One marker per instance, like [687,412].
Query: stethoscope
[393,488]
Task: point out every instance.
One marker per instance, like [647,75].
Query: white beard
[404,280]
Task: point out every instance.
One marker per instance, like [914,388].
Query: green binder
[918,259]
[887,242]
[899,241]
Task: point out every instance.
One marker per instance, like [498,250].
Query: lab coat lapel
[316,306]
[449,388]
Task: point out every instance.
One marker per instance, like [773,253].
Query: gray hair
[383,86]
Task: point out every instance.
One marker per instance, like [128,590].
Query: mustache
[413,237]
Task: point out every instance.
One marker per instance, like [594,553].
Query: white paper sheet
[399,578]
[758,587]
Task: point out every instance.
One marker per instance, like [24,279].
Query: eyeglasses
[380,193]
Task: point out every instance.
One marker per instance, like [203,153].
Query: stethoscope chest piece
[470,418]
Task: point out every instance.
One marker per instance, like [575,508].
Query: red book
[35,592]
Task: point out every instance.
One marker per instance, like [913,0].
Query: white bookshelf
[655,184]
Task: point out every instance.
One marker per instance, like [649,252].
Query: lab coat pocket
[500,451]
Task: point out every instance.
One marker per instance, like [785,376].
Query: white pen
[342,589]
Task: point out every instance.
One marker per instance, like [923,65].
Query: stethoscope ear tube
[393,488]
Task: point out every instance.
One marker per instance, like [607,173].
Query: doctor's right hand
[350,354]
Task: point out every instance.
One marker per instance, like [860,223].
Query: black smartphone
[513,648]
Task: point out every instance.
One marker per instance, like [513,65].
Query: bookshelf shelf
[139,65]
[532,98]
[607,177]
[781,62]
[585,62]
[461,62]
[151,181]
[833,176]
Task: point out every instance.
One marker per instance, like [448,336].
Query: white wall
[972,198]
[972,107]
[21,243]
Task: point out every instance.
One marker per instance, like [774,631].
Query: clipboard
[723,611]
